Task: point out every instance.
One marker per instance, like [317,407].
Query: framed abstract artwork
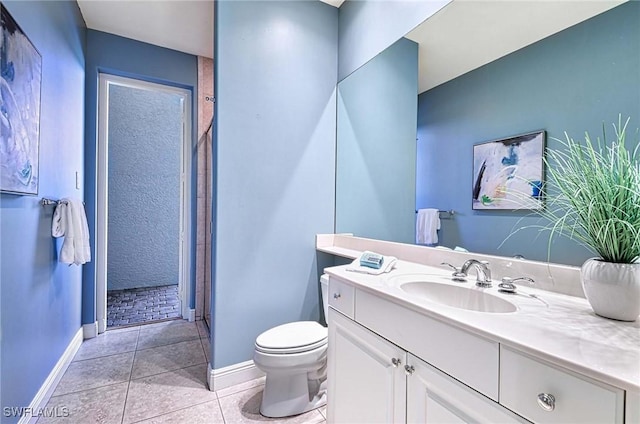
[20,80]
[508,173]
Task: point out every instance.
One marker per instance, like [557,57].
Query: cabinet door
[435,397]
[364,384]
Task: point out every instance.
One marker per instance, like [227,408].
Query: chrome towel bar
[449,213]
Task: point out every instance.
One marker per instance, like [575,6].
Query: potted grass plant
[596,202]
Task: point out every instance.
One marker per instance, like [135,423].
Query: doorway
[143,201]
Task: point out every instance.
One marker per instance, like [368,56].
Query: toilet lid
[293,337]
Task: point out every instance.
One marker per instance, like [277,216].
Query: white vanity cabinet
[371,380]
[388,363]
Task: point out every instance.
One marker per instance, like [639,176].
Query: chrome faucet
[483,273]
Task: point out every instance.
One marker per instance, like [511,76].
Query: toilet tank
[324,285]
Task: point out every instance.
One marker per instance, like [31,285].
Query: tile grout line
[204,352]
[126,397]
[239,391]
[168,344]
[90,388]
[143,323]
[167,371]
[224,420]
[171,412]
[102,356]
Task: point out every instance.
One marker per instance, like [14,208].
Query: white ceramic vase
[612,289]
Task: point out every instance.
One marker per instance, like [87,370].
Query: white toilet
[294,358]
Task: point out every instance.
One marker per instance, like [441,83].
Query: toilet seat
[294,337]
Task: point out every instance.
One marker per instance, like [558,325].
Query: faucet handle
[513,280]
[454,268]
[457,274]
[507,285]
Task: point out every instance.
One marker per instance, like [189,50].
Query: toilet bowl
[294,358]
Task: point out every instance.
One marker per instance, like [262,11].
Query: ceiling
[335,3]
[462,36]
[183,25]
[467,34]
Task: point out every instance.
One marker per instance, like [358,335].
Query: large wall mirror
[376,149]
[479,71]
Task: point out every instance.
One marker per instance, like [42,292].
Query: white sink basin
[459,297]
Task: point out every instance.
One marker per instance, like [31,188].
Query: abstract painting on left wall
[20,80]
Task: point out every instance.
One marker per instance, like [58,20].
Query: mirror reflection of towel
[427,226]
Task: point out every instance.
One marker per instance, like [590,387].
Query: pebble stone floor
[135,306]
[155,373]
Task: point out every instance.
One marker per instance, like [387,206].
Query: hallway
[154,373]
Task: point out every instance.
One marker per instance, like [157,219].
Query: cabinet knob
[336,295]
[546,402]
[396,362]
[409,369]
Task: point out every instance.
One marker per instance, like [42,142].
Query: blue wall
[125,57]
[145,148]
[376,153]
[40,297]
[274,145]
[367,27]
[571,81]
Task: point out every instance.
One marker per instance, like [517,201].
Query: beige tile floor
[155,373]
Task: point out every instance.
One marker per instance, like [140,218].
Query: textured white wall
[145,132]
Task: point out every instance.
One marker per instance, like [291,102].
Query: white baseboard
[232,375]
[46,390]
[89,331]
[192,315]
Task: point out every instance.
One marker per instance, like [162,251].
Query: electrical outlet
[77,180]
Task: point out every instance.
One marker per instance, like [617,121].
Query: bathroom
[275,161]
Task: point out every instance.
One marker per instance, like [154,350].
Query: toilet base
[286,395]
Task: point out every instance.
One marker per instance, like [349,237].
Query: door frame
[102,185]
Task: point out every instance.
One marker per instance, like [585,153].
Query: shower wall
[203,238]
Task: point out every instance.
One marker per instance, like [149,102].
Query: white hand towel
[70,221]
[427,226]
[82,249]
[62,226]
[58,222]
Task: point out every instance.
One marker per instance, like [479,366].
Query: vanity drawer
[576,399]
[341,296]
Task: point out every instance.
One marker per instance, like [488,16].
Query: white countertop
[566,332]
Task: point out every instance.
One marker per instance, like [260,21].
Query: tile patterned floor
[155,373]
[135,306]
